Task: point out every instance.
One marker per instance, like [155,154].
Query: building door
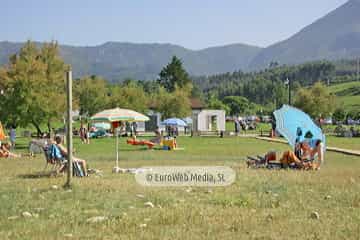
[214,123]
[151,125]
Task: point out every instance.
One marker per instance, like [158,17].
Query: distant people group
[172,131]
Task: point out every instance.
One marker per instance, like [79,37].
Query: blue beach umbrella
[188,120]
[174,122]
[296,126]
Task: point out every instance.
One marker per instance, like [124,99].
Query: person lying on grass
[5,151]
[82,162]
[304,160]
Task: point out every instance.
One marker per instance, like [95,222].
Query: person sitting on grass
[304,161]
[5,151]
[158,136]
[317,151]
[82,162]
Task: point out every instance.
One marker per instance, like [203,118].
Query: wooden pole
[358,69]
[117,148]
[69,127]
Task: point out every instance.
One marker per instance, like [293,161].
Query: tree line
[266,90]
[32,90]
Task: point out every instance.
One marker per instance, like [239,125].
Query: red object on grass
[140,142]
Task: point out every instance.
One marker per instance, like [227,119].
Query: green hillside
[348,94]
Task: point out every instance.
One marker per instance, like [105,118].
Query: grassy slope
[348,93]
[260,205]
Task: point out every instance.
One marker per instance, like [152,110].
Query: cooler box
[170,143]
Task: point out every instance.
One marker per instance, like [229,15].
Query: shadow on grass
[21,147]
[133,150]
[39,175]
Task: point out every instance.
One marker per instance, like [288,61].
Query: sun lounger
[132,141]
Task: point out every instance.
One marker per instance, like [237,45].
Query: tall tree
[34,86]
[215,103]
[129,95]
[176,104]
[92,94]
[316,101]
[236,104]
[53,84]
[173,75]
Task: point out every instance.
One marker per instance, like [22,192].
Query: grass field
[261,204]
[348,94]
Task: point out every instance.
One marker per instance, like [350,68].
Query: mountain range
[334,36]
[116,61]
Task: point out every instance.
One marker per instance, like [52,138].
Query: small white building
[202,120]
[156,118]
[208,120]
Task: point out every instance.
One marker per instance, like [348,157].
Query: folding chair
[53,157]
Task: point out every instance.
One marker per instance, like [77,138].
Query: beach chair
[54,157]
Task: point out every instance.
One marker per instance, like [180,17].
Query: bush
[339,115]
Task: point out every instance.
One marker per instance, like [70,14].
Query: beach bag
[77,170]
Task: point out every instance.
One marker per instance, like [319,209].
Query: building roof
[196,103]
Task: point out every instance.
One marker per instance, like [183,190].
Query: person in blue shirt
[64,152]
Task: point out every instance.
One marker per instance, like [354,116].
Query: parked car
[351,121]
[328,121]
[99,132]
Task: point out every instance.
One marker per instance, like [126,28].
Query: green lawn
[348,94]
[261,204]
[342,142]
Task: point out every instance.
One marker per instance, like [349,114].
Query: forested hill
[268,86]
[335,36]
[116,61]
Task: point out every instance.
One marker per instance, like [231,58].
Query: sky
[194,24]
